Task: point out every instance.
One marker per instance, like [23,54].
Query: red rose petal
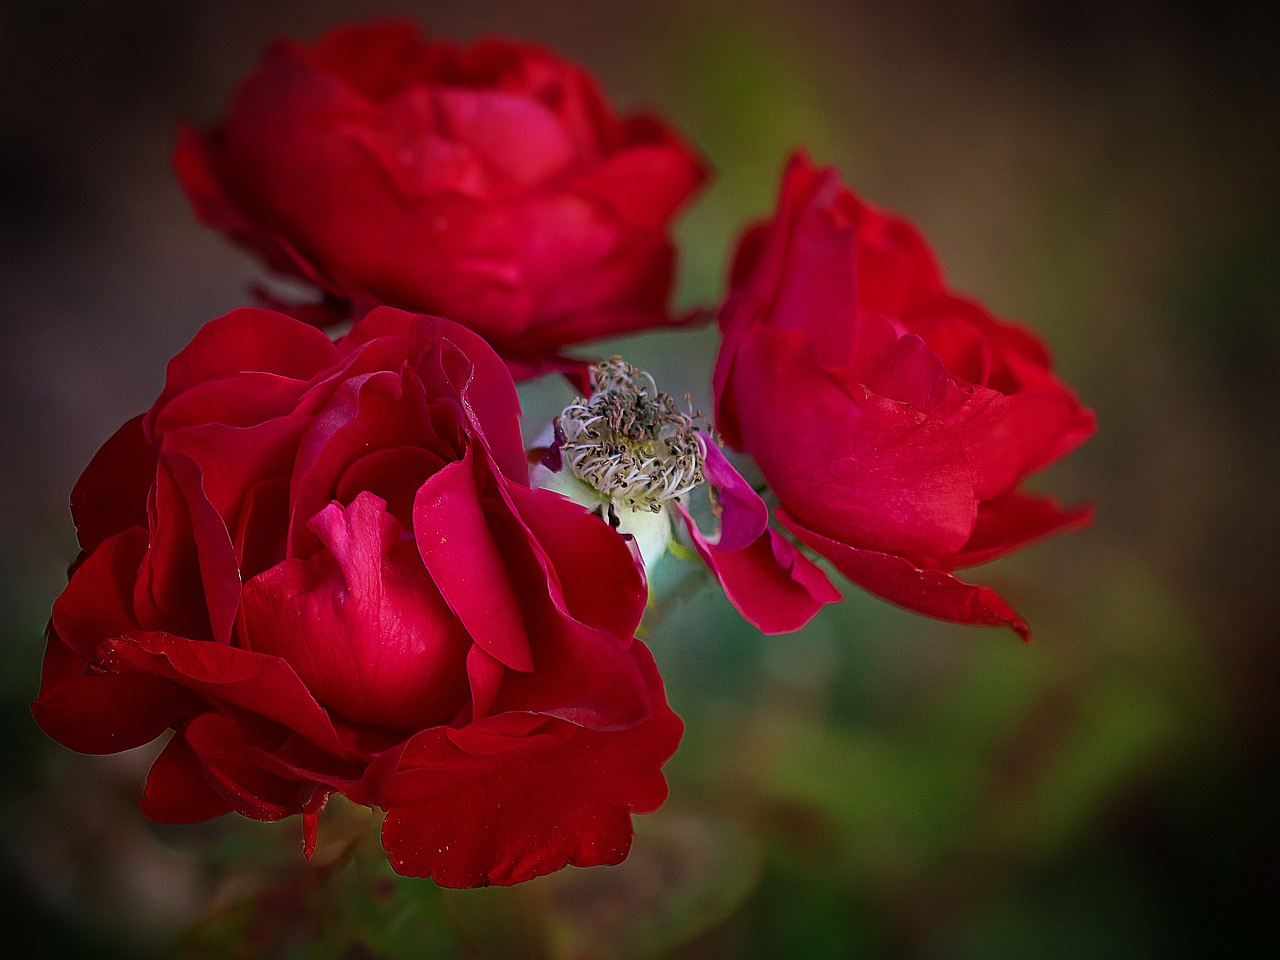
[453,537]
[1013,520]
[220,746]
[862,468]
[98,601]
[261,684]
[743,514]
[361,622]
[775,587]
[178,789]
[645,184]
[191,558]
[492,184]
[100,713]
[911,373]
[111,494]
[248,339]
[591,575]
[478,376]
[528,815]
[932,592]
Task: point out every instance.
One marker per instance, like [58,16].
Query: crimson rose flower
[894,420]
[321,565]
[491,184]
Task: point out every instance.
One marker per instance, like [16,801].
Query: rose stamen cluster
[630,441]
[630,454]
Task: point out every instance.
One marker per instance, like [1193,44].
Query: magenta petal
[459,552]
[775,587]
[544,803]
[743,516]
[932,592]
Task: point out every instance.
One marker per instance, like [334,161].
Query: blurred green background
[878,785]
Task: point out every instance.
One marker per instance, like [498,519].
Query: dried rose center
[630,441]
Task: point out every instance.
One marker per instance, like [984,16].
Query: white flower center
[630,441]
[626,452]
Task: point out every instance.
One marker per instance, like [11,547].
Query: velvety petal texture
[894,419]
[492,184]
[321,565]
[566,797]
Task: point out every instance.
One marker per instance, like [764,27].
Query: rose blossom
[632,456]
[322,566]
[492,184]
[894,420]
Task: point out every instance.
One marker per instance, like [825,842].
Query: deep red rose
[321,565]
[894,420]
[491,184]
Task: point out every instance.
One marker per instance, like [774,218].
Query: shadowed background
[879,784]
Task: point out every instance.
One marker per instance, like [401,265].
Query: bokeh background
[877,785]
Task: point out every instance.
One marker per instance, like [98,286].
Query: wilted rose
[894,419]
[633,457]
[491,184]
[321,565]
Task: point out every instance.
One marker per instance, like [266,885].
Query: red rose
[894,419]
[492,184]
[322,566]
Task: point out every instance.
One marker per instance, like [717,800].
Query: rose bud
[492,184]
[894,419]
[633,457]
[322,566]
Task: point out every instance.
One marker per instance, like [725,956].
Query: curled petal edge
[935,593]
